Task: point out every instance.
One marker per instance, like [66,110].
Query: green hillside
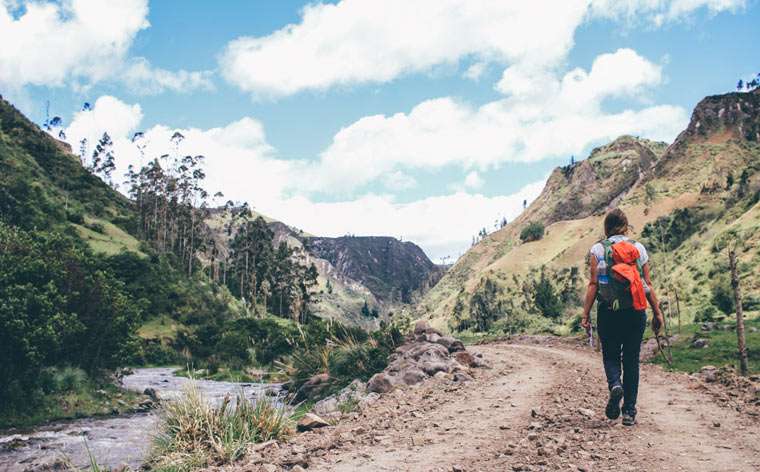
[686,201]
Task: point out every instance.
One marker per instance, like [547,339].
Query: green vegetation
[59,306]
[721,348]
[533,231]
[193,434]
[343,354]
[669,232]
[535,303]
[68,393]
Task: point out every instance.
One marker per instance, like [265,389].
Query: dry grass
[192,433]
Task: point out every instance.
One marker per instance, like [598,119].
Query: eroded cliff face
[394,271]
[596,183]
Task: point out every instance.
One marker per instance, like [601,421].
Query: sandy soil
[541,407]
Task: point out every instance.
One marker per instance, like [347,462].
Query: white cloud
[79,43]
[144,79]
[360,41]
[442,226]
[541,116]
[357,41]
[473,180]
[241,163]
[45,43]
[475,71]
[399,181]
[659,12]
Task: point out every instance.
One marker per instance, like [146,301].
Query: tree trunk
[739,313]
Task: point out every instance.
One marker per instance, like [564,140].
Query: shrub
[192,433]
[722,294]
[532,232]
[706,313]
[546,299]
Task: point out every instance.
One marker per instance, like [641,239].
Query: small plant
[532,232]
[192,433]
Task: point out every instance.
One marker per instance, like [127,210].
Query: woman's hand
[658,321]
[585,322]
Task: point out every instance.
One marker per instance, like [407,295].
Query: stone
[700,343]
[297,468]
[465,358]
[152,394]
[586,412]
[313,386]
[269,468]
[462,377]
[421,327]
[379,383]
[413,376]
[311,421]
[326,405]
[456,346]
[432,367]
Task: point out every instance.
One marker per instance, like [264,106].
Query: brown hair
[615,223]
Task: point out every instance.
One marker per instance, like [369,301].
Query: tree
[533,231]
[729,181]
[740,85]
[741,342]
[365,309]
[545,298]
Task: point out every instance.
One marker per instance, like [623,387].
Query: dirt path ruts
[525,414]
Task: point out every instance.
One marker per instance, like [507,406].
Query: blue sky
[364,119]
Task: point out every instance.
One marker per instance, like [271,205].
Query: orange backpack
[625,288]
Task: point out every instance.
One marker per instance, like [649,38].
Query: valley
[95,280]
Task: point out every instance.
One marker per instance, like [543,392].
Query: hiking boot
[613,405]
[629,417]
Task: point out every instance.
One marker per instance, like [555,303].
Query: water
[114,441]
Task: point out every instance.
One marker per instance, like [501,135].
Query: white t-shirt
[597,250]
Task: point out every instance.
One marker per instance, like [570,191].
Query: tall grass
[192,433]
[344,357]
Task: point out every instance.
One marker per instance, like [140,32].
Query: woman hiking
[620,283]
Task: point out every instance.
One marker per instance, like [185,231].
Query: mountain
[381,272]
[686,201]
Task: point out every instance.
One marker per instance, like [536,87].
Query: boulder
[380,383]
[311,421]
[313,386]
[433,367]
[465,358]
[413,376]
[462,377]
[152,394]
[700,343]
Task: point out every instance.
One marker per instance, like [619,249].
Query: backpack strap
[607,245]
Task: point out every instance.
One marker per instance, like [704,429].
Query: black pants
[621,333]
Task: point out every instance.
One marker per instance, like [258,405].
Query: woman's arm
[590,293]
[657,320]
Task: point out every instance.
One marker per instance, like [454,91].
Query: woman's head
[615,223]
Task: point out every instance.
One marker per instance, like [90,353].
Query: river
[113,441]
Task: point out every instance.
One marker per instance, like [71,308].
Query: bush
[546,299]
[722,294]
[532,232]
[706,313]
[343,358]
[193,434]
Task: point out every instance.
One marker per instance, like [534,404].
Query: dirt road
[538,408]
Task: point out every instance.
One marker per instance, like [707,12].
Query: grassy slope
[58,191]
[701,161]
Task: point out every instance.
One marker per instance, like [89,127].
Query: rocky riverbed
[114,441]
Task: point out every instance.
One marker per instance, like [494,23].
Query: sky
[424,120]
